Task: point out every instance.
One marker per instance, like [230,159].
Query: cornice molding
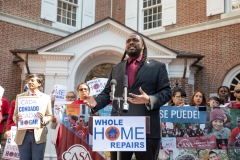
[47,56]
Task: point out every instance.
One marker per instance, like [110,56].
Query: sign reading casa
[28,106]
[119,133]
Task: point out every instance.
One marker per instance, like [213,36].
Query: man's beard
[135,53]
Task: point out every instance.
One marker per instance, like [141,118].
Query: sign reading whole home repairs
[119,133]
[28,106]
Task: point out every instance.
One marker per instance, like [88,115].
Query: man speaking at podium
[148,88]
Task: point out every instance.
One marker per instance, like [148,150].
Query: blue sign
[106,111]
[186,114]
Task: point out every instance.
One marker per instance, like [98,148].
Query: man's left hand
[143,98]
[40,115]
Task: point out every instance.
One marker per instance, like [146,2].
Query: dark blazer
[153,79]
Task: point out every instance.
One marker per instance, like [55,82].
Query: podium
[90,124]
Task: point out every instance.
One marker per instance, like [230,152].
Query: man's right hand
[53,120]
[19,117]
[7,134]
[90,102]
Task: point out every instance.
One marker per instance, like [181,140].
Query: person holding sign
[4,107]
[31,142]
[55,124]
[83,93]
[148,88]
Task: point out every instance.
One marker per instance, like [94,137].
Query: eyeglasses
[70,97]
[237,91]
[81,121]
[82,89]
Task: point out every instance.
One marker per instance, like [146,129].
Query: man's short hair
[38,78]
[75,118]
[82,116]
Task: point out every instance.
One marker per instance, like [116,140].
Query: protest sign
[28,106]
[13,134]
[59,92]
[169,125]
[73,109]
[56,111]
[11,148]
[183,115]
[1,91]
[169,143]
[119,133]
[97,85]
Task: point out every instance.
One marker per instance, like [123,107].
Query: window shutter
[88,16]
[131,14]
[169,12]
[49,10]
[215,7]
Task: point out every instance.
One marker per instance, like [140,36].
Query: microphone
[113,85]
[125,86]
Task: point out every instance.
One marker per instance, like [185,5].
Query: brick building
[65,39]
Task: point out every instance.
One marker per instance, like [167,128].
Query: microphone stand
[119,112]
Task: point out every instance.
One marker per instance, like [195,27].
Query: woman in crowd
[83,93]
[198,99]
[178,97]
[216,127]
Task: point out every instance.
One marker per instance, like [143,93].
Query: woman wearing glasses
[83,93]
[178,97]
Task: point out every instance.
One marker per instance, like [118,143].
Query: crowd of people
[148,89]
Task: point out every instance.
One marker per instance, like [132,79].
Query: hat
[216,114]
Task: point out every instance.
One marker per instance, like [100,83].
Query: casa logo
[76,152]
[96,86]
[184,143]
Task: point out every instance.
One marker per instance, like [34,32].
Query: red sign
[73,147]
[196,142]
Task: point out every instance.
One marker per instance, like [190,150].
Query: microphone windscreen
[125,81]
[113,82]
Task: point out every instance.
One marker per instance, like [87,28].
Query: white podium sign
[119,133]
[28,106]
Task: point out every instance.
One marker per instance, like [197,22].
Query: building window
[67,12]
[235,4]
[152,11]
[234,82]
